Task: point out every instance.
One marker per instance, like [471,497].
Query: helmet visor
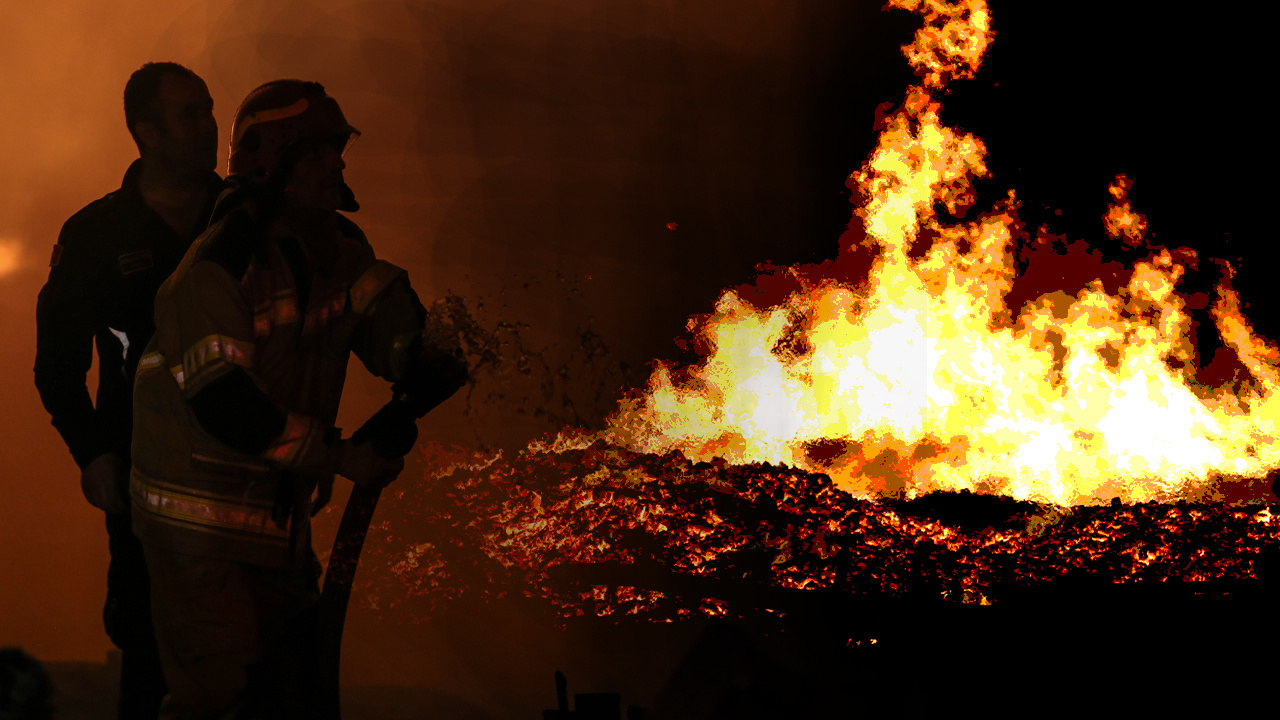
[344,139]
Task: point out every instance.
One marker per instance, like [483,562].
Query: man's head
[289,136]
[170,115]
[314,184]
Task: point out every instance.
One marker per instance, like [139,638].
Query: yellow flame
[920,379]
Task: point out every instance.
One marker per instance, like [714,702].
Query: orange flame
[920,378]
[1120,220]
[952,42]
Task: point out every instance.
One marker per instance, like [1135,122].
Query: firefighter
[236,398]
[109,260]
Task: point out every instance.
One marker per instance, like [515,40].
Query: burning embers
[604,531]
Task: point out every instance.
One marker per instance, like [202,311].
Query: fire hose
[440,370]
[393,432]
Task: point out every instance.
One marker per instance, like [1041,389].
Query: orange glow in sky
[10,255]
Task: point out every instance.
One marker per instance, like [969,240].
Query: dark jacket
[110,259]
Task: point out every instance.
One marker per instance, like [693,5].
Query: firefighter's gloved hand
[437,368]
[362,465]
[105,483]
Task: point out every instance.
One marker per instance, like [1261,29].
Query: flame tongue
[919,378]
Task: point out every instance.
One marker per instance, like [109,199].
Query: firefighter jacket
[110,259]
[267,307]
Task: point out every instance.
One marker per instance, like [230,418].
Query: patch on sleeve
[57,255]
[135,261]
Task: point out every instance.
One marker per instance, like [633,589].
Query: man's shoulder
[90,220]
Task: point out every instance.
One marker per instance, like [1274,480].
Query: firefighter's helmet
[276,119]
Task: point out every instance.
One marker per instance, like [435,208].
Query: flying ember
[919,376]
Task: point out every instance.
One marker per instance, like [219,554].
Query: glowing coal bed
[713,590]
[605,532]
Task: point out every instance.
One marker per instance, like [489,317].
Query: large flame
[919,378]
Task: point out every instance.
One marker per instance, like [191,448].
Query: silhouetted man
[110,259]
[235,403]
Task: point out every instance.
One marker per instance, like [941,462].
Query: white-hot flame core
[926,380]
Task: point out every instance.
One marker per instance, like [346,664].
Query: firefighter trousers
[236,640]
